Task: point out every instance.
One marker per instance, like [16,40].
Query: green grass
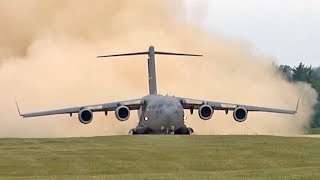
[161,157]
[314,131]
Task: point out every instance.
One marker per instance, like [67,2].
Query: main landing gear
[164,131]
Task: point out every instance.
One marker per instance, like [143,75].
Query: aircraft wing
[196,104]
[131,104]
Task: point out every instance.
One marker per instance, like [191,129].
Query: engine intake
[85,116]
[122,113]
[240,114]
[205,112]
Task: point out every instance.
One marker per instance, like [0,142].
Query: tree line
[309,75]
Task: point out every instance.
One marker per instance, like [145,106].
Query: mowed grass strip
[161,157]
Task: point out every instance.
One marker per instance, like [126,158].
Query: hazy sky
[286,29]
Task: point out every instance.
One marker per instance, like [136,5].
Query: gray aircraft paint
[152,72]
[164,112]
[159,114]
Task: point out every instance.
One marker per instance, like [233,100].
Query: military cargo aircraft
[159,114]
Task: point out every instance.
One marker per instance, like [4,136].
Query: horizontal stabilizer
[175,54]
[126,54]
[150,52]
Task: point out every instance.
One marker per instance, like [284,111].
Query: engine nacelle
[240,114]
[122,113]
[85,116]
[205,112]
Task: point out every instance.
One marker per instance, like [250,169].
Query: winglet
[18,109]
[297,107]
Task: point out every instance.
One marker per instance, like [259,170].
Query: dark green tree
[317,72]
[302,73]
[316,119]
[286,71]
[309,75]
[312,76]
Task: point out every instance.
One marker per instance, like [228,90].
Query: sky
[285,29]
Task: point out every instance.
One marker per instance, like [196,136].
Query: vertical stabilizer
[151,64]
[152,71]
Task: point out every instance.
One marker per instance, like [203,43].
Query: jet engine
[85,116]
[122,113]
[240,114]
[205,112]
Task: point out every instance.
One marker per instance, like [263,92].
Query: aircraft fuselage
[161,115]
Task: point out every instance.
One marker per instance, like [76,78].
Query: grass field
[161,157]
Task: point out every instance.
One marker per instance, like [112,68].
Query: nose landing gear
[167,130]
[164,130]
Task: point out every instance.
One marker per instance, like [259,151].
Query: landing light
[146,118]
[184,118]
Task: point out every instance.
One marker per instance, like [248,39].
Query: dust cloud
[47,61]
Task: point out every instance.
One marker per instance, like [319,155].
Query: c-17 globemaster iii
[159,114]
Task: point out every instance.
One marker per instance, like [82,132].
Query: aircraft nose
[170,114]
[171,118]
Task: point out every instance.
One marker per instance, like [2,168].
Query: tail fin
[151,64]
